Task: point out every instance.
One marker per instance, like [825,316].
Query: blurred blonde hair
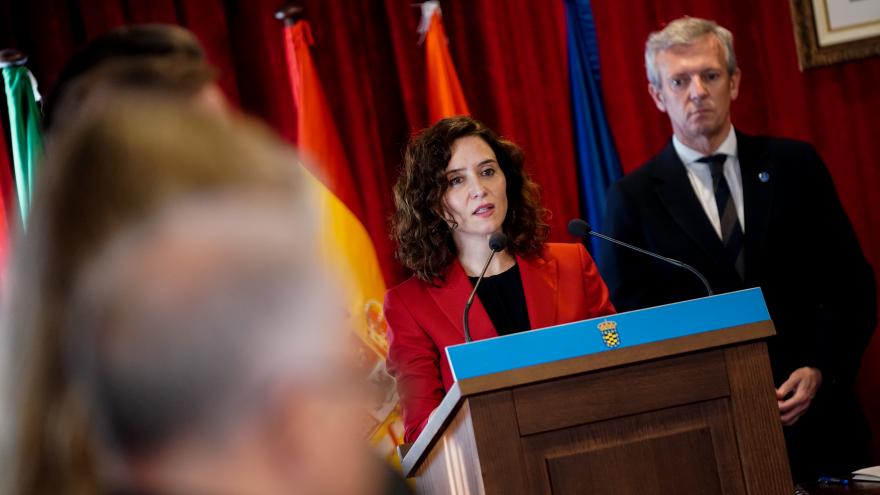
[110,168]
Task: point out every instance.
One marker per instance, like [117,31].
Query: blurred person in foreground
[209,357]
[746,212]
[155,57]
[460,183]
[110,169]
[84,193]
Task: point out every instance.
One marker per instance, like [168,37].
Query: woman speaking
[460,183]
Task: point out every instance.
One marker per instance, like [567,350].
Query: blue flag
[598,164]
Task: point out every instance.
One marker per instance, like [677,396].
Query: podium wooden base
[693,415]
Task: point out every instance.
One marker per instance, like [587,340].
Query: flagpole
[11,57]
[289,14]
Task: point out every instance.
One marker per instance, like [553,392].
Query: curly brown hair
[423,236]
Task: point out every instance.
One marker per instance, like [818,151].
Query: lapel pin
[764,176]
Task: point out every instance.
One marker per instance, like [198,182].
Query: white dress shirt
[701,178]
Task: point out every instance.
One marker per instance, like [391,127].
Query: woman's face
[476,194]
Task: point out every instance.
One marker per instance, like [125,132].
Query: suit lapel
[677,195]
[541,288]
[452,295]
[756,198]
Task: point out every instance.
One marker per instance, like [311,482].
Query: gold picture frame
[859,42]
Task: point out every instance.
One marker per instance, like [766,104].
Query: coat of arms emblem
[609,333]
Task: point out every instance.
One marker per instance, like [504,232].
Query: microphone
[497,242]
[580,228]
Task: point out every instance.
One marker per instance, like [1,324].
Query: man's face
[696,89]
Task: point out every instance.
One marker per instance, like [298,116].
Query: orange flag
[445,97]
[345,242]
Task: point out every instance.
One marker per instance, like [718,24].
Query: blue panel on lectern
[629,329]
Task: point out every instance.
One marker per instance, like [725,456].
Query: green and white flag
[25,132]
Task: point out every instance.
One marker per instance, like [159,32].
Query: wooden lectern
[675,399]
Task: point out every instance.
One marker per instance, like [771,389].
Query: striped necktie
[731,231]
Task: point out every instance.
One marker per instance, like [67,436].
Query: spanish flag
[445,97]
[345,242]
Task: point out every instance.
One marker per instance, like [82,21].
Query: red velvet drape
[511,58]
[836,108]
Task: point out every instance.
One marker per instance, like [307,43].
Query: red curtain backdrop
[511,59]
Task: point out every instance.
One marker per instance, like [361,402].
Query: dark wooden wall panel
[620,392]
[688,446]
[653,466]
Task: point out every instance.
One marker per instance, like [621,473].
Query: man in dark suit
[749,211]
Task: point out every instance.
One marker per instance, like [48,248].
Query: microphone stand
[467,306]
[677,263]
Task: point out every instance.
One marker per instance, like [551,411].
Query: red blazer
[561,286]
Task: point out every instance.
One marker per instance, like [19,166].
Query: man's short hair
[184,325]
[132,43]
[685,31]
